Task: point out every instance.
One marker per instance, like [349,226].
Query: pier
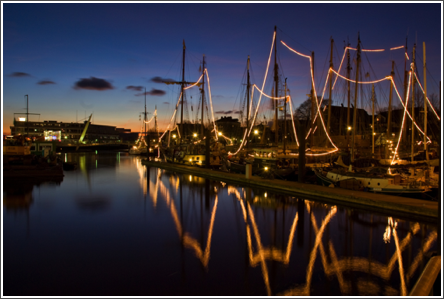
[387,204]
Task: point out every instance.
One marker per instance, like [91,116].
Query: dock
[426,210]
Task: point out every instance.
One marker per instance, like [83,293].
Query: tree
[304,111]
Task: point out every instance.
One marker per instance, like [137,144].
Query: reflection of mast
[185,238]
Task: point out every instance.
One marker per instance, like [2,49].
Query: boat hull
[366,184]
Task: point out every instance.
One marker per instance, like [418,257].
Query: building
[70,132]
[230,127]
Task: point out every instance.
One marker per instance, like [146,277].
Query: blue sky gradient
[128,44]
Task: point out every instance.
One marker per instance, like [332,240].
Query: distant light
[255,132]
[265,194]
[266,168]
[195,135]
[349,128]
[174,135]
[22,118]
[220,133]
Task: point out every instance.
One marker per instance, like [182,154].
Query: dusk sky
[74,59]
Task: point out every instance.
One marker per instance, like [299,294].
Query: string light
[315,94]
[197,82]
[403,120]
[211,102]
[416,125]
[175,110]
[396,48]
[155,113]
[361,82]
[260,97]
[266,95]
[292,122]
[376,50]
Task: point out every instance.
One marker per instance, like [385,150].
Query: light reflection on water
[113,228]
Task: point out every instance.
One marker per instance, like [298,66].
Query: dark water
[111,228]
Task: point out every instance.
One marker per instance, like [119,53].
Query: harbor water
[112,227]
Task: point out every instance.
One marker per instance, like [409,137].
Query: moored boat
[373,181]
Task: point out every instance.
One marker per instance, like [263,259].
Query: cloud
[93,84]
[162,80]
[166,103]
[153,92]
[228,112]
[20,74]
[135,88]
[45,82]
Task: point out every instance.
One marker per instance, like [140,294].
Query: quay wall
[425,210]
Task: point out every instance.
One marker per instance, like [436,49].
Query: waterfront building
[70,132]
[229,126]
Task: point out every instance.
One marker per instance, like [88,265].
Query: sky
[73,59]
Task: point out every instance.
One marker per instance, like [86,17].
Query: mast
[405,87]
[356,98]
[329,97]
[248,92]
[348,94]
[313,103]
[276,101]
[389,117]
[203,97]
[144,118]
[155,122]
[27,115]
[285,117]
[182,91]
[373,120]
[413,101]
[425,104]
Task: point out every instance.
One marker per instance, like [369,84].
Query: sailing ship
[187,149]
[268,159]
[390,175]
